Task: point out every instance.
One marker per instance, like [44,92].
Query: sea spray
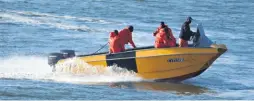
[71,71]
[23,67]
[84,72]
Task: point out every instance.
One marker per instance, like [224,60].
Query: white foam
[84,73]
[142,39]
[49,20]
[88,19]
[24,67]
[36,68]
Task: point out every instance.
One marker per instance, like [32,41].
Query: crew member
[185,33]
[170,37]
[162,25]
[126,36]
[115,44]
[171,41]
[163,39]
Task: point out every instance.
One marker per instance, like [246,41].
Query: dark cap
[162,23]
[116,32]
[189,18]
[131,28]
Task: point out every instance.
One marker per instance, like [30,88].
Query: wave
[236,94]
[17,67]
[51,20]
[36,68]
[37,14]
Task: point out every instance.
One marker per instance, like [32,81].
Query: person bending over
[115,44]
[126,36]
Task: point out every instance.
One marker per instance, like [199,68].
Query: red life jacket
[126,37]
[164,39]
[115,44]
[160,40]
[172,39]
[158,30]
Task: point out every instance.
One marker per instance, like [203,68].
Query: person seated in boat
[185,33]
[168,32]
[162,25]
[163,39]
[126,36]
[115,44]
[170,37]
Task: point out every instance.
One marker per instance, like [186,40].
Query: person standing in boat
[185,33]
[170,39]
[115,44]
[126,36]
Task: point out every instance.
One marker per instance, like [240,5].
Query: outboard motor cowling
[53,58]
[68,53]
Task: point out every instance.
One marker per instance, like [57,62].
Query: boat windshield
[200,39]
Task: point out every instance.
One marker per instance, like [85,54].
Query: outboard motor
[68,53]
[53,58]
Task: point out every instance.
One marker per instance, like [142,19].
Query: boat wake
[20,67]
[36,68]
[78,71]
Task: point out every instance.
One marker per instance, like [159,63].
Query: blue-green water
[30,29]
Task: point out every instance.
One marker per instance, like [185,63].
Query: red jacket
[158,30]
[160,40]
[163,39]
[115,44]
[172,39]
[126,37]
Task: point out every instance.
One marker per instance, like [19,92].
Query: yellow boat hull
[175,64]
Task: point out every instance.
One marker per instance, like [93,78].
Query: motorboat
[159,64]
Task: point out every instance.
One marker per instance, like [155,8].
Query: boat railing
[128,50]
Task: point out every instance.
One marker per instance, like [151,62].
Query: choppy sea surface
[30,29]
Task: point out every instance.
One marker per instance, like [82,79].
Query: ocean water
[30,29]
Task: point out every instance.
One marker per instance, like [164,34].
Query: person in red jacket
[164,29]
[164,39]
[162,25]
[126,36]
[160,39]
[170,37]
[115,44]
